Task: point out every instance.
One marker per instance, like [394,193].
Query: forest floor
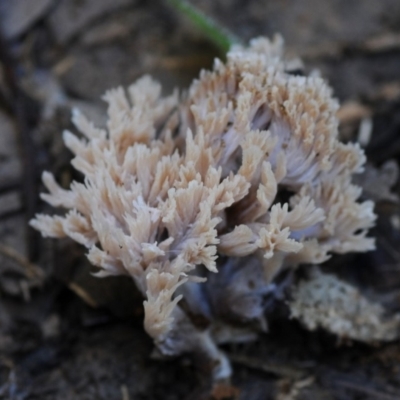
[67,335]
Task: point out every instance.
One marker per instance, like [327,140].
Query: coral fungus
[231,183]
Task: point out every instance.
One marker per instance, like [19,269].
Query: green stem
[218,35]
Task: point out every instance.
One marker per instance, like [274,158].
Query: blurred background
[65,335]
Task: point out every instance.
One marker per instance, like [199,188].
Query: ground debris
[53,345]
[325,301]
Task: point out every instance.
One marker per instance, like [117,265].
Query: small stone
[51,326]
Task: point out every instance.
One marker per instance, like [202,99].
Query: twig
[387,42]
[31,270]
[290,390]
[277,369]
[375,45]
[85,296]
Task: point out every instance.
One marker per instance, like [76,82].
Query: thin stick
[32,271]
[271,368]
[85,296]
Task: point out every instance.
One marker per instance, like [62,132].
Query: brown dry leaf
[223,391]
